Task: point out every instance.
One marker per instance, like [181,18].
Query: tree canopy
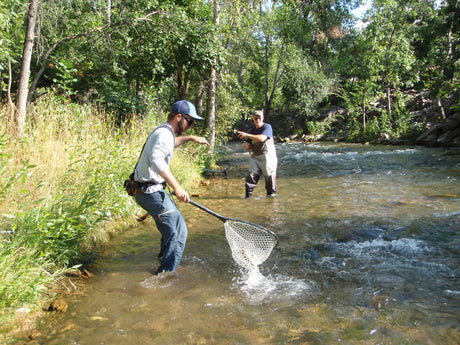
[292,58]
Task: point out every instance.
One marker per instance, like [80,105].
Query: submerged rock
[58,305]
[370,234]
[381,301]
[361,235]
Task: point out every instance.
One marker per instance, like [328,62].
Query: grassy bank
[62,196]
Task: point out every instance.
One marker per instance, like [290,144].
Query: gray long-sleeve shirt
[156,156]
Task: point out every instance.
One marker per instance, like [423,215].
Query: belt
[139,191]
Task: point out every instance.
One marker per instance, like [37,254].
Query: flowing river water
[369,254]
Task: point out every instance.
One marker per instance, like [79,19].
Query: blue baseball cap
[187,108]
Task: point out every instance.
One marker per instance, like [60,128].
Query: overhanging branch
[80,35]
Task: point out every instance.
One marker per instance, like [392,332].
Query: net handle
[215,214]
[222,218]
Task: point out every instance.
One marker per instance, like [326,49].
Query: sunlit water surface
[368,254]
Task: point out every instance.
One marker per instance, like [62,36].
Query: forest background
[83,82]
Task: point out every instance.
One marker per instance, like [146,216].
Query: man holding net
[152,173]
[260,144]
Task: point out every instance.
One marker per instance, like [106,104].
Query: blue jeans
[171,225]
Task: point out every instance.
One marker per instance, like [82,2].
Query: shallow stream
[369,253]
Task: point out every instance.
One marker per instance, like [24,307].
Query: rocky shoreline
[435,123]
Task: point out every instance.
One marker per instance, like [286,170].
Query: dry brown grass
[59,138]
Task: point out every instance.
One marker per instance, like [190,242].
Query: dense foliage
[292,58]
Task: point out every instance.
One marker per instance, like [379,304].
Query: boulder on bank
[442,133]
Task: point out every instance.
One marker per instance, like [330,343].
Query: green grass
[62,194]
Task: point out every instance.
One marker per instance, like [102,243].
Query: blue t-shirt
[262,147]
[266,129]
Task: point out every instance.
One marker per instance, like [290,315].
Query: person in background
[151,175]
[260,144]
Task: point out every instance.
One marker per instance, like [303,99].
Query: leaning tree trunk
[25,68]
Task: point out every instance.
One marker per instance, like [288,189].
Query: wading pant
[262,165]
[171,225]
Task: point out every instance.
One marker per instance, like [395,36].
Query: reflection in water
[368,254]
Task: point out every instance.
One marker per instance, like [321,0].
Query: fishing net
[250,244]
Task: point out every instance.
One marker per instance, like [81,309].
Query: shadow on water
[368,254]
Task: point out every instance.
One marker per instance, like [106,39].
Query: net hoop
[251,244]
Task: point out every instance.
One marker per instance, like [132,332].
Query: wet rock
[98,318]
[214,172]
[58,305]
[34,335]
[86,274]
[370,234]
[361,235]
[80,273]
[443,133]
[380,301]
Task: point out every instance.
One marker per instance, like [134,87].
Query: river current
[369,253]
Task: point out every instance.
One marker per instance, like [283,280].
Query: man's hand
[186,138]
[247,146]
[178,191]
[181,194]
[242,135]
[203,141]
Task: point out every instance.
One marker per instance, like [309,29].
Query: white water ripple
[260,289]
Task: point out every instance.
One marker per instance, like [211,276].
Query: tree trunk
[389,101]
[270,94]
[199,99]
[388,92]
[25,67]
[364,109]
[180,86]
[441,108]
[109,11]
[211,119]
[267,71]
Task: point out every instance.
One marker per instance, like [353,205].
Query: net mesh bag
[250,245]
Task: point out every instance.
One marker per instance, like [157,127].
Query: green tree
[305,85]
[357,69]
[436,42]
[380,61]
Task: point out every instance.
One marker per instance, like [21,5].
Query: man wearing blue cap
[151,175]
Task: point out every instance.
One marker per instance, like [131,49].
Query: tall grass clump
[62,194]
